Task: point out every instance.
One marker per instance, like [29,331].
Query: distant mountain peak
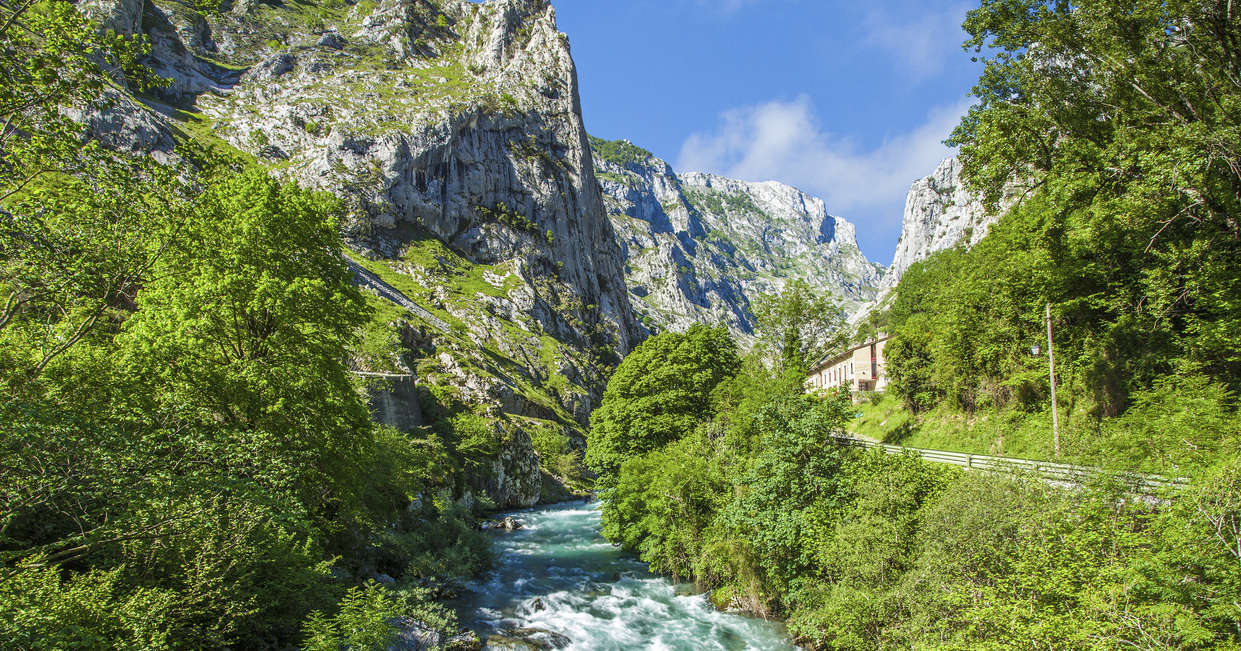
[699,247]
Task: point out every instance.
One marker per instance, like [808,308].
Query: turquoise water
[559,584]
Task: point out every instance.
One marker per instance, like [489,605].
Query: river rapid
[559,584]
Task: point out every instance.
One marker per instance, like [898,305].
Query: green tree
[205,438]
[910,365]
[791,484]
[799,325]
[659,394]
[664,503]
[54,58]
[76,220]
[249,318]
[1127,120]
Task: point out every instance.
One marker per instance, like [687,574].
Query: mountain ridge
[700,247]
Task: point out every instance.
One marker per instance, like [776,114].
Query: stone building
[862,368]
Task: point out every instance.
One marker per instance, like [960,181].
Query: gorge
[453,133]
[299,295]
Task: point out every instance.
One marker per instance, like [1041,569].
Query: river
[559,584]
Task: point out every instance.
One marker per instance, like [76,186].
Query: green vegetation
[448,278]
[660,391]
[799,324]
[756,501]
[185,459]
[1006,432]
[722,203]
[218,423]
[613,177]
[507,216]
[1136,254]
[619,152]
[706,201]
[1121,125]
[557,456]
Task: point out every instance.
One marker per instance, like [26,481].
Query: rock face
[701,247]
[393,401]
[455,120]
[452,132]
[940,213]
[515,479]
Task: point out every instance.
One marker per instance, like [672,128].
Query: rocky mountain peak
[940,212]
[700,247]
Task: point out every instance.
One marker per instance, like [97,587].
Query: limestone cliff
[940,212]
[700,247]
[452,131]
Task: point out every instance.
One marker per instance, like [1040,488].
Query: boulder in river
[511,524]
[533,638]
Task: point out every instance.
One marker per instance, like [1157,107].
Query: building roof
[832,360]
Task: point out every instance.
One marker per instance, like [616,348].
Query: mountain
[940,213]
[700,247]
[452,132]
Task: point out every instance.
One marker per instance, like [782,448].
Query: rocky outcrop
[700,247]
[940,212]
[515,478]
[393,401]
[121,16]
[409,634]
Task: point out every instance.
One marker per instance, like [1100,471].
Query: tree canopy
[1127,123]
[659,393]
[799,324]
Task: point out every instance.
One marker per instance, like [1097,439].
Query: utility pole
[1051,365]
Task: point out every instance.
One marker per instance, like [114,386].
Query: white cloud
[783,141]
[919,46]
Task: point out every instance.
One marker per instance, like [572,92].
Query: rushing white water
[559,584]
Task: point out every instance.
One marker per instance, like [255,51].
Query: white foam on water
[557,574]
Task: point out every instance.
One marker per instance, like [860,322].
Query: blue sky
[845,100]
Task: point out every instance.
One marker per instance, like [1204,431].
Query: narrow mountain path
[365,278]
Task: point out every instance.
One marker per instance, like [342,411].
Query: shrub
[362,622]
[40,608]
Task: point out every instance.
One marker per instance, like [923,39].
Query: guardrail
[1062,473]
